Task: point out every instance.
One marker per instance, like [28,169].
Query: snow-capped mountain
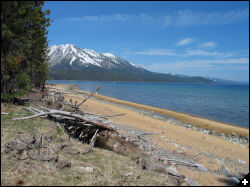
[71,57]
[68,62]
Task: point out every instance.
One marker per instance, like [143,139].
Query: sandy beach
[210,151]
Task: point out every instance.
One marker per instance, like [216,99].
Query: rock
[141,146]
[223,135]
[128,174]
[86,169]
[206,138]
[243,146]
[234,179]
[205,131]
[219,161]
[189,182]
[188,125]
[241,161]
[225,171]
[166,162]
[176,145]
[233,134]
[195,128]
[213,132]
[235,139]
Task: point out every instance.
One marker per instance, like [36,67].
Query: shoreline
[195,121]
[247,84]
[173,139]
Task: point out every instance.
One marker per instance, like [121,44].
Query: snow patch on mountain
[135,65]
[68,53]
[109,55]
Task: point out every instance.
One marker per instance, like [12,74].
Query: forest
[23,47]
[121,75]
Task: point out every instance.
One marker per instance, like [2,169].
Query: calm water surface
[225,103]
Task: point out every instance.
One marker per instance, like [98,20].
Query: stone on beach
[86,169]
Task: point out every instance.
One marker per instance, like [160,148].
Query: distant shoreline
[201,122]
[246,84]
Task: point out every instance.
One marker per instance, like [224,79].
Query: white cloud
[199,52]
[115,17]
[181,18]
[196,64]
[187,53]
[185,41]
[190,18]
[221,61]
[162,52]
[209,45]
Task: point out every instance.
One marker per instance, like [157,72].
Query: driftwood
[77,117]
[87,129]
[59,98]
[89,96]
[92,143]
[91,129]
[36,147]
[180,162]
[148,133]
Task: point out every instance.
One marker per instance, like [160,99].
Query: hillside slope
[68,62]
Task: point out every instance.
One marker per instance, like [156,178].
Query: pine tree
[23,46]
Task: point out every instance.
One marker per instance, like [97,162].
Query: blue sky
[190,38]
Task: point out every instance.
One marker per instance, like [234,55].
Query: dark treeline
[109,75]
[23,47]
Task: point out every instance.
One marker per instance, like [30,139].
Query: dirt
[210,151]
[98,167]
[213,154]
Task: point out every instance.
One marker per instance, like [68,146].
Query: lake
[224,103]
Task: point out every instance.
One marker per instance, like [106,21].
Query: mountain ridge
[82,58]
[69,62]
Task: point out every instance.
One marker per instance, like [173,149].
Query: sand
[210,151]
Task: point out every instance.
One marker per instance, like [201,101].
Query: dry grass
[108,167]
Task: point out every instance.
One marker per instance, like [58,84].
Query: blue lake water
[225,103]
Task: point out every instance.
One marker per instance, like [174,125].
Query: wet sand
[210,151]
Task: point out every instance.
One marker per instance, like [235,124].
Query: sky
[209,39]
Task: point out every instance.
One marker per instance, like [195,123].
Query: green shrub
[49,103]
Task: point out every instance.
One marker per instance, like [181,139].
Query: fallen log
[67,114]
[91,144]
[85,129]
[120,145]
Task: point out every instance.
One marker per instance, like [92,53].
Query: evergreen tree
[23,46]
